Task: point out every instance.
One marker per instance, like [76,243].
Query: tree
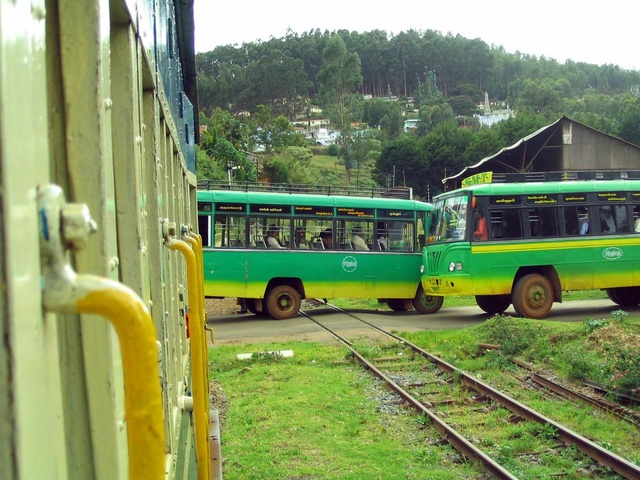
[629,128]
[400,163]
[339,78]
[442,152]
[485,142]
[433,115]
[365,150]
[463,105]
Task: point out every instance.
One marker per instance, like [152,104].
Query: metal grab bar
[66,226]
[198,346]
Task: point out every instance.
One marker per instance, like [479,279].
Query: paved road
[240,329]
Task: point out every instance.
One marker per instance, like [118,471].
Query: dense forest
[250,94]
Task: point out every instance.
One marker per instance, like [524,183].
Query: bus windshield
[449,219]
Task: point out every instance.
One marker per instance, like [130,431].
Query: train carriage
[98,195]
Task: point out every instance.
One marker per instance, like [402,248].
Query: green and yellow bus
[274,249]
[524,243]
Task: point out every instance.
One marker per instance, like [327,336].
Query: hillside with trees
[367,84]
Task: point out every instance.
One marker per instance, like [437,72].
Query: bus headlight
[421,268]
[455,266]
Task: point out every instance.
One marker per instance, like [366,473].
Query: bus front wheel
[283,302]
[532,296]
[424,303]
[624,296]
[493,304]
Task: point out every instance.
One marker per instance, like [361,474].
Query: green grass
[455,301]
[315,415]
[310,417]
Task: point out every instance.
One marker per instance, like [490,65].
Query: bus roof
[306,189]
[309,199]
[547,187]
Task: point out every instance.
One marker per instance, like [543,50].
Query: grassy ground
[317,416]
[459,301]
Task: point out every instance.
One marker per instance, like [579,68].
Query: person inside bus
[357,240]
[382,237]
[607,224]
[481,232]
[327,238]
[272,238]
[300,238]
[636,219]
[584,221]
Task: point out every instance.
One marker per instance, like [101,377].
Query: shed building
[563,146]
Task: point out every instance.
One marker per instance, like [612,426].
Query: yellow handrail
[198,340]
[143,398]
[200,301]
[66,226]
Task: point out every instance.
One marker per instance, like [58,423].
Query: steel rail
[455,439]
[608,407]
[601,455]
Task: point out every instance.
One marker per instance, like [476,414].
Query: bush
[626,367]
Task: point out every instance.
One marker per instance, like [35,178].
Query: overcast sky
[593,32]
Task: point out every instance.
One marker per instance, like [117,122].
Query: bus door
[576,271]
[225,259]
[615,257]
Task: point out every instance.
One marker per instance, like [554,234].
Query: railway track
[449,417]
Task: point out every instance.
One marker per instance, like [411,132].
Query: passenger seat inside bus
[316,243]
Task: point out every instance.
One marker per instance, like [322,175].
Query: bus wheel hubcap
[536,296]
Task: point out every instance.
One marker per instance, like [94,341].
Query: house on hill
[565,145]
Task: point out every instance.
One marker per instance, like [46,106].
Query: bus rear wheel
[255,306]
[424,303]
[624,296]
[532,296]
[398,304]
[493,304]
[283,302]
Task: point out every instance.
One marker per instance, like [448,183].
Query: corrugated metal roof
[520,142]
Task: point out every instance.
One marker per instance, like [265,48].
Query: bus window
[356,236]
[300,236]
[229,231]
[401,236]
[449,220]
[278,233]
[607,220]
[576,221]
[382,237]
[506,223]
[543,222]
[621,217]
[636,219]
